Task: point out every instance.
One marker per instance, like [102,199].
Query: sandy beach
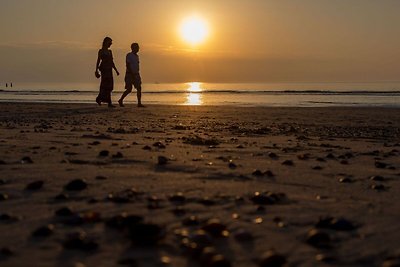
[83,185]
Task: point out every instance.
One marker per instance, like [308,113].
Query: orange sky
[249,41]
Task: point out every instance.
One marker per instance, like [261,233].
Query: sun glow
[194,96]
[194,30]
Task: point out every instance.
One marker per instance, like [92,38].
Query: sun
[194,30]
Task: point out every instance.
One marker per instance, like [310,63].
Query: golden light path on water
[194,96]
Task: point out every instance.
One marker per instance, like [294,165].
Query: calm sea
[385,94]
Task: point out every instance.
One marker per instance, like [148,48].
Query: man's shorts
[132,79]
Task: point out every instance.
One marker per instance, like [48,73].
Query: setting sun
[194,30]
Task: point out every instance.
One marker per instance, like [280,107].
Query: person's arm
[114,67]
[96,72]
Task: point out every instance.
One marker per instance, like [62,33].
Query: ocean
[383,94]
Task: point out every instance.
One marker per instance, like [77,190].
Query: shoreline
[327,180]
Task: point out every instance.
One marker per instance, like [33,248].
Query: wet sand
[83,185]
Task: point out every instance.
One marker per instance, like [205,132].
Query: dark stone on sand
[3,196]
[61,197]
[76,185]
[268,198]
[124,196]
[320,159]
[318,239]
[104,153]
[7,218]
[99,177]
[288,163]
[161,160]
[64,211]
[2,162]
[272,155]
[146,148]
[43,231]
[380,165]
[6,252]
[190,221]
[123,220]
[303,157]
[3,182]
[95,143]
[272,259]
[128,262]
[26,160]
[215,228]
[344,162]
[243,236]
[317,168]
[330,156]
[145,233]
[377,178]
[199,141]
[118,155]
[36,185]
[159,145]
[207,201]
[378,187]
[219,261]
[232,165]
[257,173]
[324,258]
[345,180]
[177,198]
[178,211]
[338,224]
[79,241]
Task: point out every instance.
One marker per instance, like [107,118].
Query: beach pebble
[272,259]
[100,177]
[378,187]
[6,252]
[330,156]
[178,211]
[131,262]
[380,165]
[146,148]
[345,180]
[257,173]
[232,165]
[26,160]
[159,145]
[124,196]
[3,196]
[318,239]
[104,153]
[268,198]
[118,155]
[206,201]
[43,231]
[339,224]
[324,258]
[177,198]
[161,160]
[273,155]
[215,228]
[219,261]
[7,218]
[3,181]
[76,185]
[288,163]
[61,197]
[190,221]
[145,233]
[64,211]
[36,185]
[123,220]
[79,241]
[377,178]
[243,235]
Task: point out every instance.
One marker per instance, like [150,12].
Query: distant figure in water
[11,85]
[6,85]
[105,63]
[132,76]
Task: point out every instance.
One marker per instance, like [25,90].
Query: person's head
[107,42]
[135,47]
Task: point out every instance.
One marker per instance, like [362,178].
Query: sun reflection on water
[194,96]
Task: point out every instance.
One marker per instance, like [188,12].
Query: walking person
[132,76]
[105,63]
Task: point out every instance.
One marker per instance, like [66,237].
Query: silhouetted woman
[105,64]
